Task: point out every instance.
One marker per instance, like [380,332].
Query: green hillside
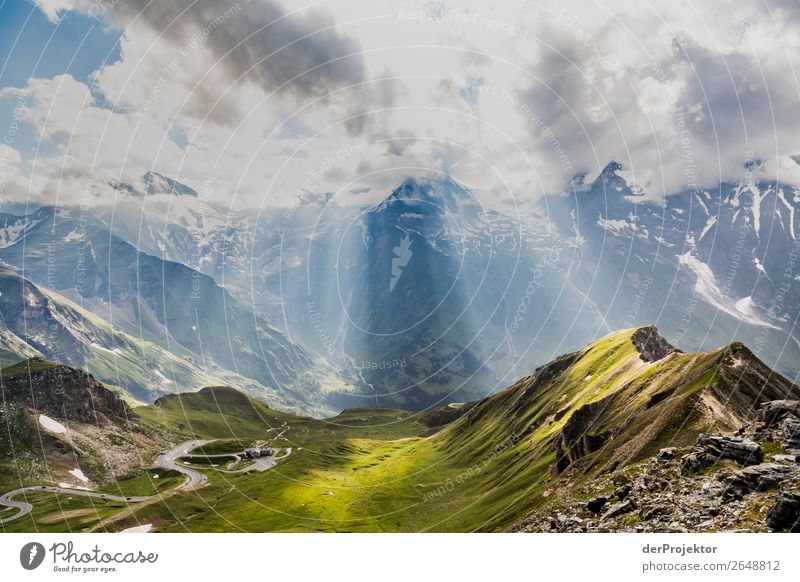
[483,466]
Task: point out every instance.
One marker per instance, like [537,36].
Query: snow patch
[51,425]
[702,204]
[74,234]
[11,233]
[706,287]
[162,378]
[782,198]
[79,474]
[712,220]
[144,528]
[115,351]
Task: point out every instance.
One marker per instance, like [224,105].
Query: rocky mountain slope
[38,322]
[161,303]
[610,410]
[748,480]
[60,425]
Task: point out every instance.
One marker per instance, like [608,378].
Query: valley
[622,419]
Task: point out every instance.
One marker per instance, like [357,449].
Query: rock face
[618,509]
[711,448]
[775,411]
[682,489]
[64,392]
[576,439]
[756,478]
[650,345]
[785,514]
[791,435]
[596,505]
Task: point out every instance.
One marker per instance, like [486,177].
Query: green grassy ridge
[26,367]
[145,485]
[214,412]
[221,412]
[390,470]
[489,467]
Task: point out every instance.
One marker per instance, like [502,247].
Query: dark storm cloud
[258,40]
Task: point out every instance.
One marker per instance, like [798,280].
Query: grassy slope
[370,470]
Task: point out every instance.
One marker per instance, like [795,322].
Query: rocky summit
[747,480]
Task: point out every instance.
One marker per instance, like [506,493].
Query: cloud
[299,54]
[278,102]
[54,8]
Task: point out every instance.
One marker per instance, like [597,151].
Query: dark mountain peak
[63,392]
[154,184]
[611,169]
[650,345]
[440,190]
[609,176]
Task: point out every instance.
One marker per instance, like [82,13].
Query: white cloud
[53,9]
[510,96]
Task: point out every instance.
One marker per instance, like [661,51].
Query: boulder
[666,454]
[652,510]
[791,435]
[710,448]
[596,504]
[785,514]
[622,492]
[786,458]
[618,509]
[771,413]
[757,478]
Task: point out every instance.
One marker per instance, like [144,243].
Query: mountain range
[423,298]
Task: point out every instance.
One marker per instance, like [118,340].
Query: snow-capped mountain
[170,220]
[427,297]
[706,266]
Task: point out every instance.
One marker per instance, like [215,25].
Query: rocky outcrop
[711,448]
[756,478]
[618,509]
[596,505]
[576,439]
[63,392]
[791,435]
[784,515]
[774,412]
[686,490]
[650,345]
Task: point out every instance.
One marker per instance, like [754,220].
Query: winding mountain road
[24,508]
[166,461]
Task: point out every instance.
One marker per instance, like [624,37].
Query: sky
[269,102]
